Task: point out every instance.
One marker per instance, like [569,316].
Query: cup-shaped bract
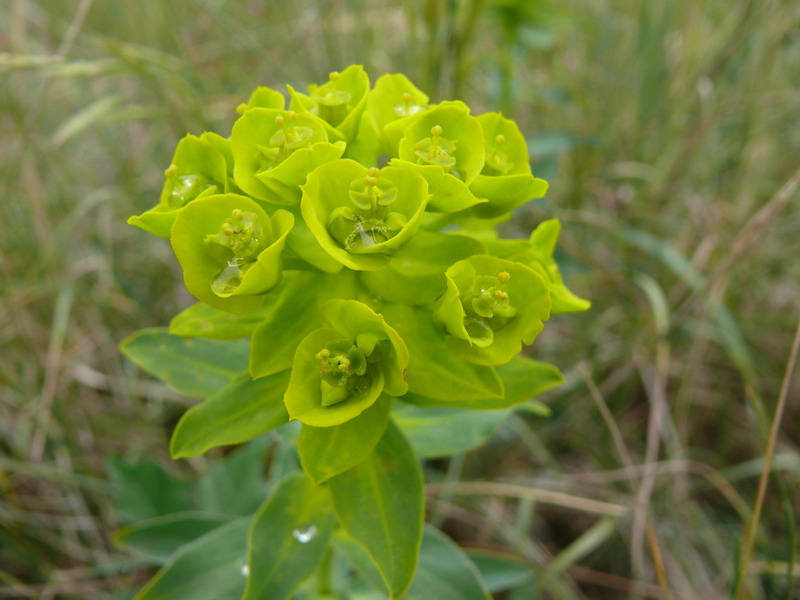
[448,137]
[263,97]
[341,369]
[230,250]
[340,101]
[537,253]
[274,150]
[360,216]
[505,179]
[394,97]
[199,168]
[492,306]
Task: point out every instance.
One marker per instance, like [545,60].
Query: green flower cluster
[349,232]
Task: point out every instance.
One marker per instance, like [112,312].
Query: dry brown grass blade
[511,490]
[747,549]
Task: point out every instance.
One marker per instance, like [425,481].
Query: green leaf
[296,302]
[380,502]
[160,537]
[443,431]
[433,371]
[329,451]
[144,490]
[288,537]
[236,485]
[209,568]
[445,572]
[523,378]
[501,571]
[243,410]
[204,321]
[415,274]
[359,558]
[194,367]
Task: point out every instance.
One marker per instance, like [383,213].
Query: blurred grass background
[667,130]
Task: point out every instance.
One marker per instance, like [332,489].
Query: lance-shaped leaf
[415,273]
[448,137]
[341,101]
[393,97]
[198,169]
[523,379]
[274,150]
[433,370]
[230,250]
[505,179]
[287,539]
[359,216]
[193,367]
[235,486]
[492,306]
[439,431]
[204,321]
[238,413]
[296,300]
[341,369]
[537,253]
[160,537]
[328,451]
[445,572]
[380,503]
[209,568]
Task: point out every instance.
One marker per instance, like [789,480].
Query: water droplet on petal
[245,570]
[305,534]
[229,278]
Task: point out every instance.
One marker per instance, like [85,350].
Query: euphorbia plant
[353,298]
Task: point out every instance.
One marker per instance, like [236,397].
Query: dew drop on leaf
[304,534]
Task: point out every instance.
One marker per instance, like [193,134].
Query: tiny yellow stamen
[436,130]
[279,120]
[406,97]
[333,75]
[500,138]
[171,171]
[503,276]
